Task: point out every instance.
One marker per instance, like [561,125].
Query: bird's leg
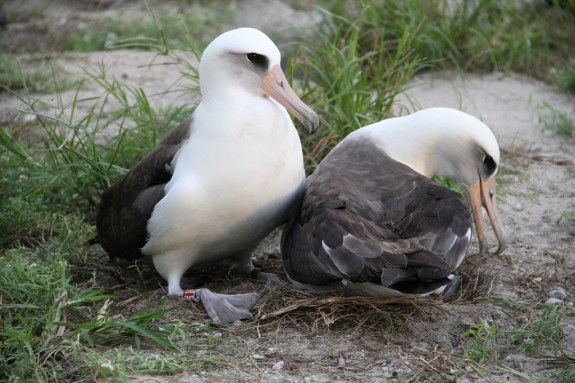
[172,266]
[174,287]
[247,268]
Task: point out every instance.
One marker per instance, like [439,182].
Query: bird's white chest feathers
[233,182]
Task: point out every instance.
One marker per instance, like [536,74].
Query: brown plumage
[368,218]
[127,205]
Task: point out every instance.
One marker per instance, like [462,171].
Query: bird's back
[367,217]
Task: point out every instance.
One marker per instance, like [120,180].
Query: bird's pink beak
[277,87]
[482,194]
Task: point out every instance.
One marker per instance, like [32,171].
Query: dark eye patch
[489,165]
[258,60]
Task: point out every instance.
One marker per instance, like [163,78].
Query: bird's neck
[429,150]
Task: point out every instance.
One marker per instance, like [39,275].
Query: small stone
[278,366]
[258,357]
[516,360]
[517,206]
[558,293]
[341,362]
[270,351]
[307,379]
[28,118]
[553,301]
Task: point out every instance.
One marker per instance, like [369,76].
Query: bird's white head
[451,143]
[247,61]
[469,153]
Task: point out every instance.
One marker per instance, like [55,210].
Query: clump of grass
[556,121]
[75,166]
[348,84]
[473,36]
[544,333]
[565,77]
[121,362]
[181,28]
[34,73]
[450,184]
[47,321]
[569,217]
[567,375]
[482,345]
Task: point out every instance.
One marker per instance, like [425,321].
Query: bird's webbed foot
[223,308]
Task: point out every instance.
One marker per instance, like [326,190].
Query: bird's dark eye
[489,165]
[258,60]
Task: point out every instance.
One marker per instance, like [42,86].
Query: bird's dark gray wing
[127,205]
[366,217]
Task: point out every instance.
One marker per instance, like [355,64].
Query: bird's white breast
[233,182]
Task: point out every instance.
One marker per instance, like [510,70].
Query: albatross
[372,220]
[221,181]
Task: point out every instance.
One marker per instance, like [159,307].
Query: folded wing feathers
[368,217]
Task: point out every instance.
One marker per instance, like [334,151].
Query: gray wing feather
[366,217]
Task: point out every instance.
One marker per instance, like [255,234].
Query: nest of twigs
[283,305]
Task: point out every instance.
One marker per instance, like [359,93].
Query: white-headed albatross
[221,181]
[371,213]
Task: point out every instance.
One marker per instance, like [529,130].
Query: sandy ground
[536,189]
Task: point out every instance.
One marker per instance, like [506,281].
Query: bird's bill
[482,194]
[276,86]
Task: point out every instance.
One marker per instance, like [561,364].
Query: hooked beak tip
[312,123]
[501,248]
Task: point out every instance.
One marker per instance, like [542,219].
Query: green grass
[478,35]
[556,121]
[34,73]
[448,183]
[544,333]
[48,321]
[75,167]
[481,347]
[567,375]
[52,317]
[348,84]
[189,27]
[565,77]
[567,216]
